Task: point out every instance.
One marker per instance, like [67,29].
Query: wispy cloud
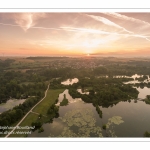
[32,27]
[108,22]
[82,30]
[70,33]
[26,20]
[73,29]
[123,17]
[103,32]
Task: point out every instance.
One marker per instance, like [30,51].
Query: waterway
[80,119]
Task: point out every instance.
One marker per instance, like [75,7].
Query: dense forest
[17,84]
[20,85]
[95,76]
[103,92]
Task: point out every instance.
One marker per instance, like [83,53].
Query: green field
[27,122]
[52,95]
[42,108]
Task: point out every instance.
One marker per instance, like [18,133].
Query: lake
[70,99]
[70,81]
[135,79]
[10,104]
[143,92]
[80,119]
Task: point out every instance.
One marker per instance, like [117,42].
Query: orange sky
[49,34]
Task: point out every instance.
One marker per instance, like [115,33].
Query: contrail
[82,30]
[31,27]
[103,32]
[123,17]
[108,22]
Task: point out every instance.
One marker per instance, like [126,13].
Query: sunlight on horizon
[104,33]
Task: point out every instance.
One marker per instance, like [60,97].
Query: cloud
[123,17]
[26,20]
[108,22]
[80,30]
[72,29]
[141,36]
[84,30]
[32,27]
[103,32]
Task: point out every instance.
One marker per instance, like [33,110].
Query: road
[27,113]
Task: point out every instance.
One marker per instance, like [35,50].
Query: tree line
[12,116]
[103,94]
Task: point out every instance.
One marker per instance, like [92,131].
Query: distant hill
[40,57]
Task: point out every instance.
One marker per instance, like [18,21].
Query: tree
[64,101]
[148,97]
[19,114]
[91,92]
[146,134]
[104,127]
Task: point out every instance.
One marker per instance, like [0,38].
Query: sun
[87,55]
[88,51]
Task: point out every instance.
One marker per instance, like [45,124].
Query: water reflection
[132,82]
[136,76]
[121,76]
[78,119]
[134,115]
[10,104]
[125,119]
[70,99]
[143,92]
[70,81]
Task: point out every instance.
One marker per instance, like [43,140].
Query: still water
[79,119]
[70,81]
[143,92]
[10,104]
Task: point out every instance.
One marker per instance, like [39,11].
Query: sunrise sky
[71,34]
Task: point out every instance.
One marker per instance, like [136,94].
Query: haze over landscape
[75,34]
[75,74]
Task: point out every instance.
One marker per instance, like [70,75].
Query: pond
[70,99]
[83,92]
[80,119]
[135,79]
[70,81]
[123,76]
[143,92]
[133,76]
[10,104]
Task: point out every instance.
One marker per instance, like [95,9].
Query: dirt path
[27,113]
